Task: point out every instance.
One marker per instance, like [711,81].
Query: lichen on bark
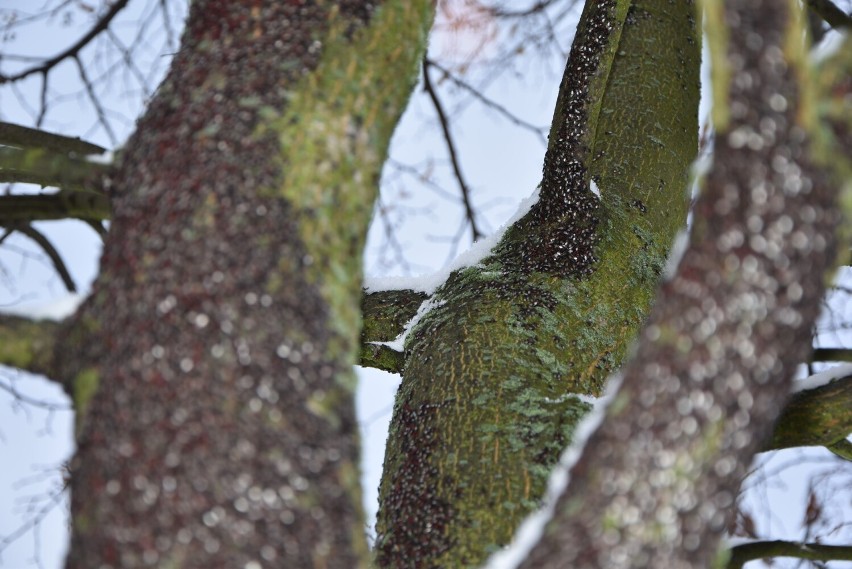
[656,482]
[222,430]
[486,402]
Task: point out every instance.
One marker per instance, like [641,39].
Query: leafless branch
[451,149]
[72,51]
[96,103]
[829,12]
[477,94]
[762,549]
[51,252]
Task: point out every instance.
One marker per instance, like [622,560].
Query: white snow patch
[829,45]
[398,343]
[531,530]
[679,246]
[478,251]
[591,400]
[702,164]
[822,378]
[53,310]
[595,189]
[106,158]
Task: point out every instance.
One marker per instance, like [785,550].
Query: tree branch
[815,417]
[52,254]
[27,344]
[47,168]
[831,355]
[385,314]
[382,357]
[72,51]
[741,554]
[475,93]
[829,12]
[842,448]
[451,148]
[25,137]
[61,205]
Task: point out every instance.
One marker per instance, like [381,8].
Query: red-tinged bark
[221,432]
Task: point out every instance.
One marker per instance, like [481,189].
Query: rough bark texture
[213,363]
[385,315]
[713,370]
[211,367]
[27,344]
[485,404]
[821,416]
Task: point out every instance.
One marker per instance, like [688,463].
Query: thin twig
[538,131]
[73,50]
[51,252]
[26,399]
[451,148]
[90,89]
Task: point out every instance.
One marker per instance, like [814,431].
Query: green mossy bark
[230,289]
[385,314]
[49,168]
[27,344]
[487,399]
[334,137]
[821,416]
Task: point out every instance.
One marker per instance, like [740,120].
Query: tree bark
[655,483]
[213,361]
[487,399]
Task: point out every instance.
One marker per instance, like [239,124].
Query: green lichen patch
[334,136]
[552,312]
[85,388]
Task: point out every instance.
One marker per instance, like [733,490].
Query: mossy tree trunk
[656,482]
[211,367]
[212,364]
[491,373]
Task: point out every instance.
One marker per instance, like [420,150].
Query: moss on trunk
[488,397]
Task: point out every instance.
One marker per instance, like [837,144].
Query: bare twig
[72,51]
[477,94]
[52,501]
[451,148]
[39,403]
[51,252]
[538,7]
[829,12]
[90,89]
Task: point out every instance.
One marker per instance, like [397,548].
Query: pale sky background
[502,164]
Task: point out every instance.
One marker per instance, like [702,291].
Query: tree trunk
[213,386]
[656,483]
[486,404]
